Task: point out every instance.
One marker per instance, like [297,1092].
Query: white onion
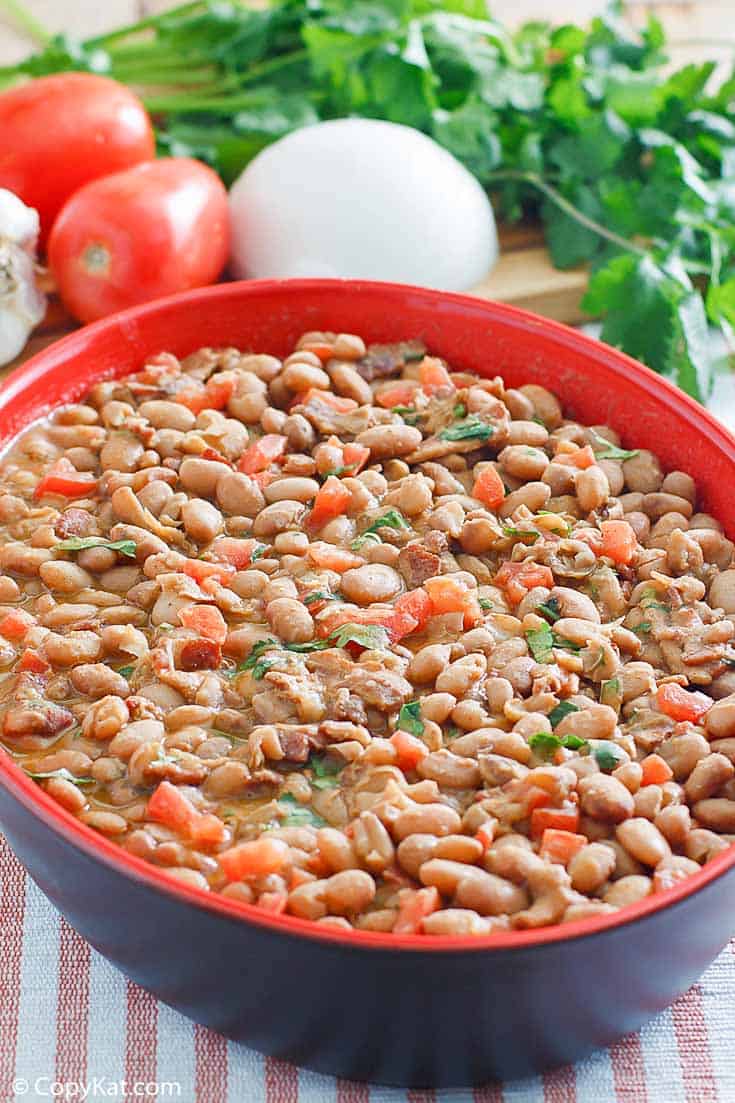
[361,198]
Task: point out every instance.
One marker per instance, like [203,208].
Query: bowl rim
[20,786]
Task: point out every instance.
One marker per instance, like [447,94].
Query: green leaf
[373,637]
[541,643]
[294,814]
[325,769]
[79,543]
[409,718]
[259,552]
[564,708]
[467,429]
[470,133]
[550,610]
[256,651]
[485,603]
[544,744]
[367,538]
[606,450]
[63,773]
[125,671]
[521,534]
[608,755]
[320,595]
[391,519]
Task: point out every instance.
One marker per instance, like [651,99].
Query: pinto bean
[386,441]
[201,477]
[373,582]
[349,892]
[604,798]
[290,620]
[428,819]
[278,517]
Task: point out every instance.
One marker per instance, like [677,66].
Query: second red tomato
[137,235]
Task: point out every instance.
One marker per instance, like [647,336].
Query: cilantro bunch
[629,167]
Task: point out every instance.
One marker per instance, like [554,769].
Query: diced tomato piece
[200,570]
[262,453]
[581,458]
[485,833]
[170,807]
[16,623]
[322,349]
[213,454]
[331,500]
[409,750]
[678,703]
[619,541]
[219,390]
[401,394]
[273,902]
[354,458]
[34,663]
[656,770]
[560,845]
[333,402]
[250,860]
[332,558]
[489,488]
[233,551]
[417,604]
[214,395]
[64,479]
[413,909]
[562,819]
[433,376]
[449,595]
[206,621]
[518,578]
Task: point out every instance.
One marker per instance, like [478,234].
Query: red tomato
[137,235]
[62,131]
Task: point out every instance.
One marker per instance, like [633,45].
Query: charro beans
[333,663]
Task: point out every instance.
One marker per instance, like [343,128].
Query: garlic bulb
[22,305]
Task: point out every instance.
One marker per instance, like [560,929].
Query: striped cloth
[67,1017]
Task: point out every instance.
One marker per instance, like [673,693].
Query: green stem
[538,182]
[272,66]
[195,104]
[25,21]
[142,25]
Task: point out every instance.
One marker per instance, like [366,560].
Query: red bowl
[405,1010]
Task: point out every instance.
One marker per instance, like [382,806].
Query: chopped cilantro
[608,755]
[561,710]
[460,410]
[649,600]
[262,667]
[79,543]
[126,671]
[541,643]
[391,519]
[64,774]
[371,636]
[409,718]
[605,450]
[367,538]
[255,653]
[546,744]
[466,430]
[259,552]
[485,603]
[298,815]
[549,610]
[325,770]
[643,628]
[521,534]
[452,732]
[610,688]
[320,595]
